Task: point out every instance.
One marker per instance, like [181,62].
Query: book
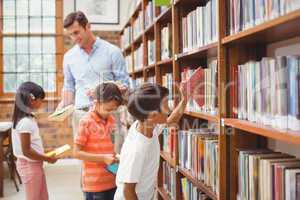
[113,168]
[61,114]
[58,151]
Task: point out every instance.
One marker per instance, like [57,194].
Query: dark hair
[76,16]
[106,92]
[26,92]
[146,99]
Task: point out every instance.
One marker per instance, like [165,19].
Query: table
[5,130]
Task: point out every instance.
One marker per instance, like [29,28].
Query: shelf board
[190,2]
[137,9]
[199,52]
[266,131]
[165,16]
[207,190]
[278,29]
[206,116]
[150,67]
[163,193]
[168,61]
[167,157]
[138,71]
[138,39]
[149,29]
[127,49]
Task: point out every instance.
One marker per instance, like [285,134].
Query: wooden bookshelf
[198,184]
[266,131]
[205,116]
[230,50]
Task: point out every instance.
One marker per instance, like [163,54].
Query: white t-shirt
[27,125]
[139,163]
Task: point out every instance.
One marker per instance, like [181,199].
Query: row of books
[151,52]
[168,141]
[128,60]
[126,38]
[245,14]
[138,58]
[149,14]
[200,26]
[198,153]
[134,83]
[138,25]
[264,175]
[190,192]
[169,180]
[202,87]
[268,92]
[166,42]
[167,81]
[151,79]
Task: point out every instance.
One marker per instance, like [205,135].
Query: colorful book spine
[169,179]
[169,135]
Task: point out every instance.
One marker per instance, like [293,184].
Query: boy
[139,159]
[93,144]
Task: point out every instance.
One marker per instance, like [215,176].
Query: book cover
[58,151]
[62,114]
[113,168]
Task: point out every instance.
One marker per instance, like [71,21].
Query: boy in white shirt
[139,159]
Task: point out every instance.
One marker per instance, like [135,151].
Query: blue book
[113,168]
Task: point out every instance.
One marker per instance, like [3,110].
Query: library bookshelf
[230,50]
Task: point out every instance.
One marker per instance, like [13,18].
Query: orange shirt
[94,136]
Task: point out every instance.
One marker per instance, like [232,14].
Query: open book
[62,114]
[59,150]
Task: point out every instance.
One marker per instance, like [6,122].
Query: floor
[63,179]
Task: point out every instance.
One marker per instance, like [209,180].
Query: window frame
[59,45]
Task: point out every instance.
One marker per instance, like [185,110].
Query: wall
[126,6]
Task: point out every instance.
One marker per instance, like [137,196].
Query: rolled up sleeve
[69,81]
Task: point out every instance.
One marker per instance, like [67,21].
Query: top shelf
[281,28]
[165,16]
[266,131]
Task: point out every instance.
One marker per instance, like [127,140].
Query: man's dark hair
[106,92]
[76,16]
[146,99]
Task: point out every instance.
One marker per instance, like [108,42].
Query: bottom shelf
[164,195]
[207,190]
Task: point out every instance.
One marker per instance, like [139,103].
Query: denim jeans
[105,195]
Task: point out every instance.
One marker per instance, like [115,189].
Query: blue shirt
[84,71]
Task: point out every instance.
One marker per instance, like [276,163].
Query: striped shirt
[94,136]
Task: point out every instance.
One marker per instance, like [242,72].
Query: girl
[27,142]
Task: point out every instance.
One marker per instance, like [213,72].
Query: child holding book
[94,146]
[27,142]
[139,159]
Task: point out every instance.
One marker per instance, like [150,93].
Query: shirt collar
[109,121]
[96,45]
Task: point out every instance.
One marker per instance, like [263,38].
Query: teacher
[88,63]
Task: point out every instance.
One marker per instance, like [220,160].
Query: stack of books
[126,37]
[168,144]
[167,81]
[166,42]
[138,25]
[138,58]
[149,14]
[264,174]
[190,192]
[169,180]
[198,153]
[151,52]
[268,92]
[245,14]
[201,86]
[200,26]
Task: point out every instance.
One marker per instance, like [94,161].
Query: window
[29,38]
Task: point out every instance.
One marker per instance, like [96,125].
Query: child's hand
[183,92]
[110,159]
[51,159]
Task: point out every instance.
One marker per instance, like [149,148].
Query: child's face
[36,104]
[106,108]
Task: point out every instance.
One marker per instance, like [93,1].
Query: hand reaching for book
[110,159]
[182,91]
[51,159]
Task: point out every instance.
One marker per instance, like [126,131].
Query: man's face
[78,34]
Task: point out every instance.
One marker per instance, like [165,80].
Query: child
[27,142]
[94,146]
[139,159]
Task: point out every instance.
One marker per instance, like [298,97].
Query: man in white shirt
[139,159]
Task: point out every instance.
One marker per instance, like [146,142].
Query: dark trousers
[105,195]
